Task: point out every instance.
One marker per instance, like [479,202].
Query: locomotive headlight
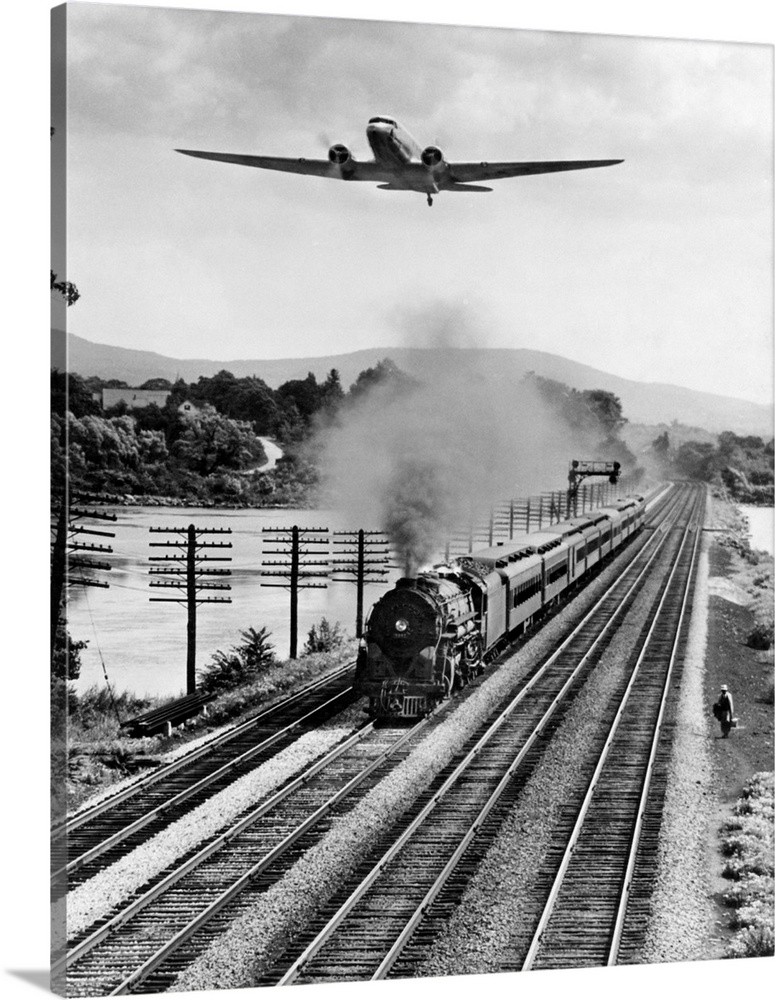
[402,625]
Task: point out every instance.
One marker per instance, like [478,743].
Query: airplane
[400,163]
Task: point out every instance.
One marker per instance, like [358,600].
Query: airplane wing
[354,170]
[464,172]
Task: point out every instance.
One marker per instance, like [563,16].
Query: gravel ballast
[682,914]
[97,897]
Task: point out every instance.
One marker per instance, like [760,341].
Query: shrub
[752,942]
[256,651]
[66,654]
[324,638]
[747,841]
[240,664]
[99,708]
[760,637]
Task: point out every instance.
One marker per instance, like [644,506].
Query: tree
[156,383]
[661,445]
[385,373]
[69,392]
[253,400]
[594,413]
[215,390]
[695,460]
[323,638]
[209,441]
[306,394]
[66,655]
[606,410]
[66,289]
[331,392]
[661,450]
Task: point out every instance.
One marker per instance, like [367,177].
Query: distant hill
[643,402]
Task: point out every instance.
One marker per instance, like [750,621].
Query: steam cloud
[422,464]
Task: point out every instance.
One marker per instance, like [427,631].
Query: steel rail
[85,946]
[187,792]
[79,818]
[621,912]
[256,870]
[336,920]
[584,808]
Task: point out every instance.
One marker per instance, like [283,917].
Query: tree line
[743,464]
[202,454]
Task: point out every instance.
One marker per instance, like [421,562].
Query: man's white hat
[724,687]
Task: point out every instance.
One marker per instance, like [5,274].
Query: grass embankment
[748,844]
[100,754]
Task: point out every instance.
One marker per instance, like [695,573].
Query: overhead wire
[102,659]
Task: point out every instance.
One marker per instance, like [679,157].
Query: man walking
[724,710]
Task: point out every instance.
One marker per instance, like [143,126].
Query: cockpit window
[380,119]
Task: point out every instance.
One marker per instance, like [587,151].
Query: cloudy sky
[659,269]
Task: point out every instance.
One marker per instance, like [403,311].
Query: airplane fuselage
[394,147]
[391,144]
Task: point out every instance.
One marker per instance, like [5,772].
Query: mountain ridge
[642,402]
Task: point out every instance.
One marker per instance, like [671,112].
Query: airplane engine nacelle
[340,155]
[432,157]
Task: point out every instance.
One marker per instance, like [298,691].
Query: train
[431,634]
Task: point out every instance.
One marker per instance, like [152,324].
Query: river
[143,643]
[761,527]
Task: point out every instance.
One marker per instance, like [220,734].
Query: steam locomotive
[433,633]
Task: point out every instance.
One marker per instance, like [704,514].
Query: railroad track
[381,923]
[143,943]
[147,939]
[596,906]
[96,837]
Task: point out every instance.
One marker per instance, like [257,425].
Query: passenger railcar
[432,633]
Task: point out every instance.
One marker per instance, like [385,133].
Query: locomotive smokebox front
[404,622]
[400,669]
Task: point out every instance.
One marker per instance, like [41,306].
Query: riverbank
[101,758]
[206,503]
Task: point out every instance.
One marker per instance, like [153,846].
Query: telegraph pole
[64,545]
[185,570]
[361,566]
[294,568]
